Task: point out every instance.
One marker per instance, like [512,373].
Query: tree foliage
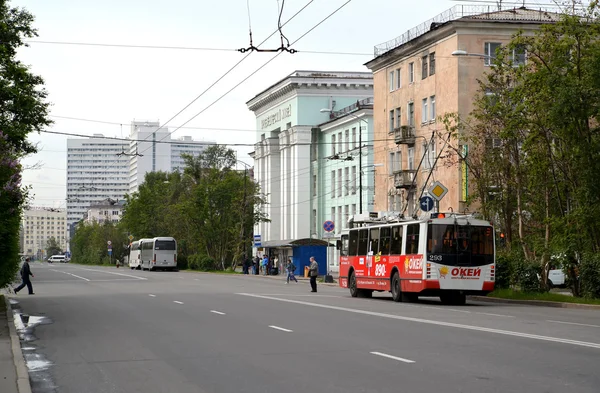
[52,247]
[90,243]
[210,209]
[534,142]
[23,109]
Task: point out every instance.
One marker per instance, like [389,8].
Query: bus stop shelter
[300,250]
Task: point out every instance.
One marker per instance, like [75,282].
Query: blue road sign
[257,241]
[328,226]
[426,203]
[109,251]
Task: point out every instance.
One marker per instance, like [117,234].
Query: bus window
[384,241]
[363,241]
[412,239]
[164,245]
[353,243]
[374,240]
[344,250]
[396,245]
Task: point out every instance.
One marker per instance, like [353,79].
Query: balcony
[404,178]
[404,135]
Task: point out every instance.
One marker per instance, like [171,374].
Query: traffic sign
[130,237]
[109,251]
[257,241]
[109,242]
[426,203]
[328,226]
[437,191]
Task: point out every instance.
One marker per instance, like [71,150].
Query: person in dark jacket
[25,273]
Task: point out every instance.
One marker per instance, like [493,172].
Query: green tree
[90,243]
[52,247]
[22,110]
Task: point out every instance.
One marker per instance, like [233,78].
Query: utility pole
[360,204]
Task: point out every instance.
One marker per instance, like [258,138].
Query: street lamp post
[360,196]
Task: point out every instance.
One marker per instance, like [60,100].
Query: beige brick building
[417,78]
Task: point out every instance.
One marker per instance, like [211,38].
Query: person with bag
[291,268]
[25,273]
[313,272]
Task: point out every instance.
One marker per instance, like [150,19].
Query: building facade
[290,147]
[96,169]
[107,210]
[419,77]
[152,149]
[39,224]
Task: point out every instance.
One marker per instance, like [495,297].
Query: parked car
[57,258]
[556,277]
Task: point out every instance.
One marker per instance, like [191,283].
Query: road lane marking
[178,302]
[280,328]
[71,274]
[385,355]
[495,315]
[217,312]
[151,295]
[117,274]
[433,322]
[573,323]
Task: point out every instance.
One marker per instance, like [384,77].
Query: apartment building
[431,70]
[39,224]
[107,210]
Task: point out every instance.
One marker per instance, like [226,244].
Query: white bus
[135,254]
[159,253]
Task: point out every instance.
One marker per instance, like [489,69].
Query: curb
[23,384]
[539,303]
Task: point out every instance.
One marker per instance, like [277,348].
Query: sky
[122,84]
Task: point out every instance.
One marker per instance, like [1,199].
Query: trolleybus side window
[353,246]
[384,241]
[412,239]
[344,250]
[396,246]
[374,239]
[363,241]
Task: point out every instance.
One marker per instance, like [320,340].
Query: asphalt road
[116,330]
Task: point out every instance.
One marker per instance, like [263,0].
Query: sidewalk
[8,373]
[283,277]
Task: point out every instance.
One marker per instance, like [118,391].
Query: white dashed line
[116,274]
[217,312]
[574,323]
[280,328]
[71,274]
[178,302]
[151,295]
[385,355]
[495,315]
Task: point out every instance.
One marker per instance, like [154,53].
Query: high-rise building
[39,224]
[152,149]
[97,168]
[431,70]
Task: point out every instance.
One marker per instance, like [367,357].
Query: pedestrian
[265,262]
[255,263]
[291,268]
[313,271]
[25,273]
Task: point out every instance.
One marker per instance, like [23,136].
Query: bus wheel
[352,285]
[396,291]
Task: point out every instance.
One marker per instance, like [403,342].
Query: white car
[57,258]
[556,277]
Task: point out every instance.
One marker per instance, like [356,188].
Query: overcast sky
[118,84]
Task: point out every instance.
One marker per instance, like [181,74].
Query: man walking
[25,273]
[291,268]
[313,271]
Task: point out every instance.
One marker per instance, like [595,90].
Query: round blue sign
[328,226]
[426,203]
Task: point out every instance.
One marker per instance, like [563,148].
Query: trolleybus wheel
[396,291]
[352,285]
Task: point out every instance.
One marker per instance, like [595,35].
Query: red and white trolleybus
[449,255]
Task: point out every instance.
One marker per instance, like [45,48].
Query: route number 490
[380,270]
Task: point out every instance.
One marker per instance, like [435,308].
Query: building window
[354,209]
[333,214]
[424,67]
[333,183]
[490,50]
[392,162]
[392,120]
[411,72]
[398,79]
[339,220]
[333,145]
[346,181]
[354,145]
[314,185]
[346,215]
[398,117]
[353,188]
[424,112]
[432,64]
[314,221]
[411,158]
[432,107]
[340,142]
[519,55]
[339,193]
[347,139]
[392,80]
[411,114]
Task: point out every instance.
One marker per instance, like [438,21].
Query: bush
[527,276]
[589,276]
[513,271]
[201,262]
[504,271]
